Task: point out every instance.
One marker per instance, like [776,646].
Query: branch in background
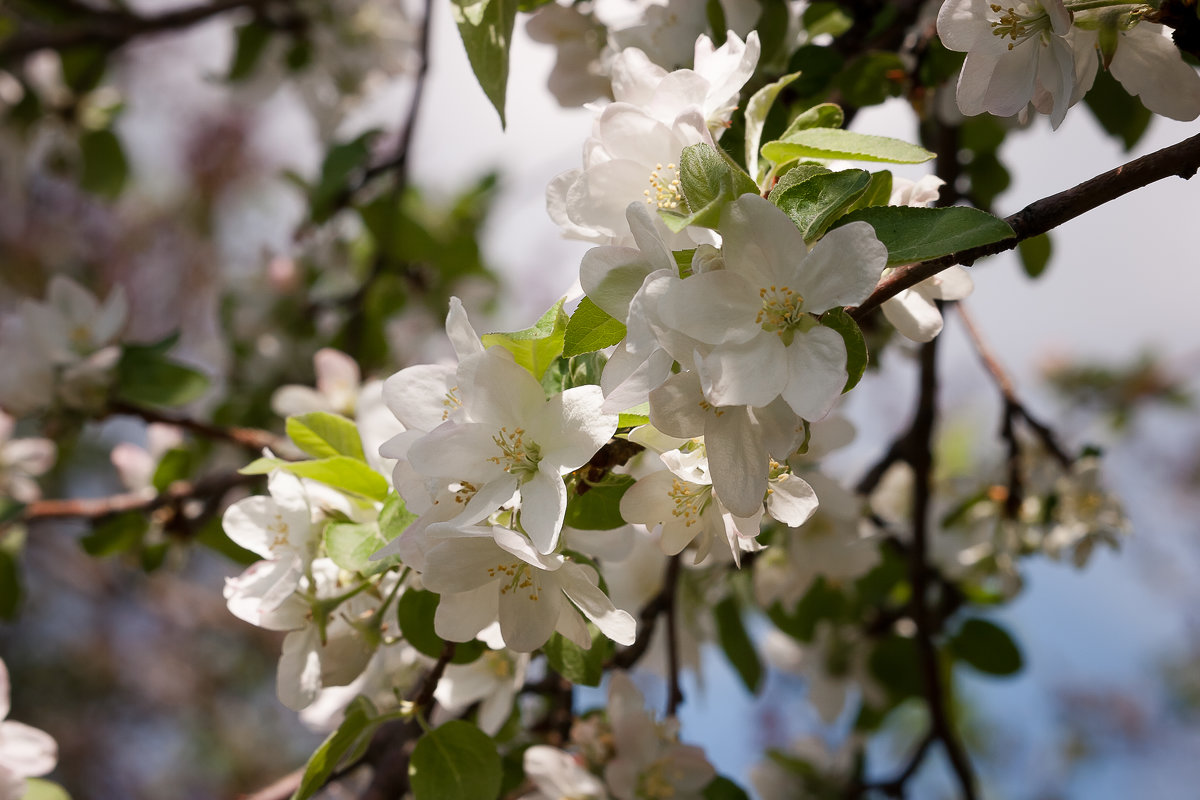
[1013,407]
[647,620]
[1182,159]
[179,492]
[674,693]
[252,439]
[894,787]
[921,459]
[114,28]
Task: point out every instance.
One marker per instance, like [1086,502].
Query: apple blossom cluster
[1045,54]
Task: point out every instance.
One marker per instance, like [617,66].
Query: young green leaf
[736,644]
[145,376]
[486,28]
[917,234]
[1035,254]
[598,509]
[856,345]
[340,472]
[815,204]
[756,116]
[321,434]
[455,761]
[987,647]
[584,667]
[823,115]
[358,725]
[535,348]
[591,328]
[834,143]
[351,544]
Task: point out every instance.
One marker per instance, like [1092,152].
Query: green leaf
[1035,254]
[394,517]
[105,168]
[38,789]
[721,788]
[709,180]
[834,143]
[591,328]
[872,78]
[340,472]
[818,67]
[815,204]
[1120,114]
[878,193]
[117,534]
[83,66]
[252,41]
[455,761]
[598,509]
[145,376]
[829,18]
[893,663]
[321,434]
[823,115]
[415,611]
[486,28]
[919,234]
[352,737]
[10,586]
[856,345]
[987,647]
[756,116]
[351,544]
[341,162]
[175,465]
[716,21]
[584,667]
[736,644]
[795,176]
[535,348]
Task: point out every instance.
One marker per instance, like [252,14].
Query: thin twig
[1013,405]
[281,789]
[921,460]
[894,787]
[253,439]
[96,507]
[1182,159]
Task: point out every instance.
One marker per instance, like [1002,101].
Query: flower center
[451,402]
[783,312]
[659,780]
[519,578]
[1017,26]
[690,500]
[517,456]
[664,191]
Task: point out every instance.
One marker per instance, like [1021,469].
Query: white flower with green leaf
[758,315]
[25,752]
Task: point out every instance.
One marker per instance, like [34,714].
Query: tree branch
[252,439]
[1182,159]
[115,28]
[212,486]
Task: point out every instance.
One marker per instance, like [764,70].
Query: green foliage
[1121,114]
[146,376]
[344,745]
[1035,254]
[415,612]
[822,115]
[709,181]
[756,116]
[918,234]
[598,508]
[486,28]
[535,348]
[894,664]
[872,78]
[815,204]
[83,66]
[343,163]
[11,591]
[105,168]
[455,761]
[394,517]
[577,665]
[321,434]
[591,328]
[824,17]
[351,545]
[834,143]
[341,472]
[856,345]
[795,174]
[736,643]
[252,39]
[175,465]
[818,67]
[721,788]
[987,647]
[38,789]
[117,534]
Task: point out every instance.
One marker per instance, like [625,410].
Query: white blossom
[25,752]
